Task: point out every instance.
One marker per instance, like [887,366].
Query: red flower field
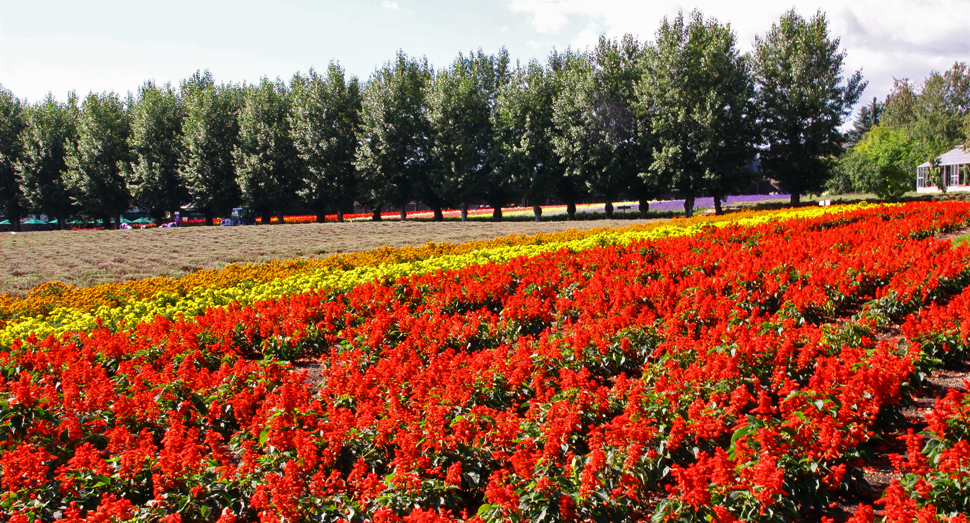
[740,374]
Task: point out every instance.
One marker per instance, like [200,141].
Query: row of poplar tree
[686,113]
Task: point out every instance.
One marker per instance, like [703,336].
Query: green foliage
[324,123]
[576,148]
[210,133]
[393,157]
[51,128]
[616,136]
[889,153]
[697,93]
[156,144]
[268,166]
[460,112]
[803,99]
[934,115]
[95,163]
[526,134]
[12,199]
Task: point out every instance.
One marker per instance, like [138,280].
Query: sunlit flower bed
[689,371]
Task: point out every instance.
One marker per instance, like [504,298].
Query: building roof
[955,156]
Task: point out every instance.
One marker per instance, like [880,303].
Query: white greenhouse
[956,171]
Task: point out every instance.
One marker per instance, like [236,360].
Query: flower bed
[725,372]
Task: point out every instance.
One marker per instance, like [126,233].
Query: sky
[104,45]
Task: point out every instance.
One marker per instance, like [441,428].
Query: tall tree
[324,124]
[578,150]
[12,199]
[94,164]
[562,69]
[603,141]
[494,72]
[395,138]
[697,90]
[210,134]
[269,167]
[525,130]
[156,143]
[612,119]
[803,99]
[460,103]
[51,129]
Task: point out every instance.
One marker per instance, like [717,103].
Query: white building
[956,171]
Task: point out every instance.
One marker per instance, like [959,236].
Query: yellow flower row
[197,300]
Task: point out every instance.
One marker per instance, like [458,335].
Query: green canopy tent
[125,220]
[143,221]
[5,222]
[33,221]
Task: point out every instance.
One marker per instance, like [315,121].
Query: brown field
[85,258]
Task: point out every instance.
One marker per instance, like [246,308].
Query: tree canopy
[210,135]
[697,93]
[267,161]
[324,124]
[394,156]
[802,100]
[156,144]
[95,163]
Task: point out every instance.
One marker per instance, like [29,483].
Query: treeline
[686,113]
[916,123]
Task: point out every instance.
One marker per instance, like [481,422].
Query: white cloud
[548,17]
[390,5]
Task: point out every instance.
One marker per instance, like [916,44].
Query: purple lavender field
[707,202]
[699,203]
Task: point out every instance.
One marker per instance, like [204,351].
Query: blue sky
[103,45]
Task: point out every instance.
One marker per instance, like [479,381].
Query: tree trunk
[689,207]
[717,205]
[644,207]
[321,217]
[377,214]
[60,222]
[266,219]
[404,213]
[571,211]
[208,217]
[279,216]
[340,215]
[15,222]
[796,199]
[608,206]
[105,223]
[439,215]
[537,210]
[497,213]
[464,212]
